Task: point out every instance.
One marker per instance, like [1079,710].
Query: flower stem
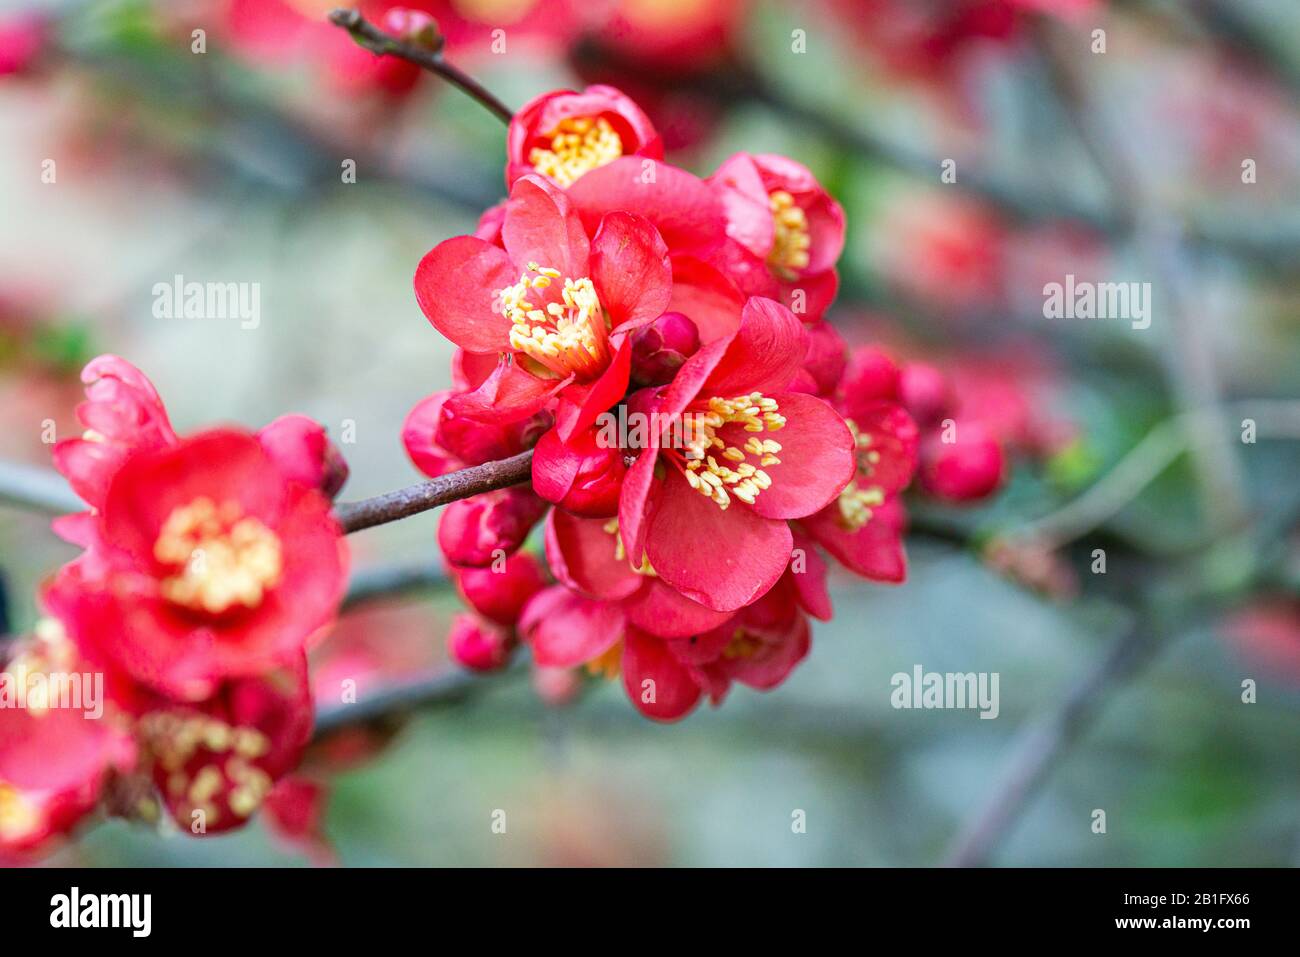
[383,44]
[413,499]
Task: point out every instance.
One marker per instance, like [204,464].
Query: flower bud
[478,645]
[304,452]
[475,531]
[659,349]
[500,593]
[964,470]
[925,393]
[415,27]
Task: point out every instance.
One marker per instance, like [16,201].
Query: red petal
[456,285]
[565,629]
[687,213]
[817,457]
[659,686]
[581,404]
[541,227]
[707,296]
[720,559]
[508,395]
[874,551]
[766,354]
[665,612]
[630,270]
[581,553]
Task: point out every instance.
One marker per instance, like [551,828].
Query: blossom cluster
[209,564]
[689,555]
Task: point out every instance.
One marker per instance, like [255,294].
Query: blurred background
[1164,149]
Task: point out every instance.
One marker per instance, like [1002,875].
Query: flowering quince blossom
[219,549]
[564,135]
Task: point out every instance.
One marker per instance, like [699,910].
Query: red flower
[709,513]
[207,563]
[778,211]
[214,762]
[54,760]
[479,645]
[558,304]
[564,135]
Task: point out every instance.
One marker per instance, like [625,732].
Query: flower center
[563,328]
[740,473]
[223,558]
[203,759]
[578,145]
[790,247]
[18,816]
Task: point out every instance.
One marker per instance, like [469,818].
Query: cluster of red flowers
[611,287]
[210,564]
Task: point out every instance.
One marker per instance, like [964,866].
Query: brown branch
[383,44]
[413,499]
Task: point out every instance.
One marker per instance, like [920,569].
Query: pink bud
[659,349]
[964,470]
[925,393]
[413,26]
[476,530]
[304,452]
[477,644]
[500,593]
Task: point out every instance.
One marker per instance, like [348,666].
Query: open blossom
[54,761]
[214,762]
[207,557]
[711,516]
[558,305]
[564,135]
[778,211]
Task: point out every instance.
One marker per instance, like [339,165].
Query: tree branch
[413,499]
[383,44]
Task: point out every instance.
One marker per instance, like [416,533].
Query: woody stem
[413,499]
[384,44]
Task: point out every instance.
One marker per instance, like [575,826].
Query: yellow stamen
[719,480]
[19,816]
[223,558]
[578,145]
[568,334]
[856,505]
[790,248]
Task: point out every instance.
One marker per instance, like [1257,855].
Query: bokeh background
[1125,165]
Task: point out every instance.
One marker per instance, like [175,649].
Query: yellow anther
[223,558]
[578,145]
[792,239]
[567,333]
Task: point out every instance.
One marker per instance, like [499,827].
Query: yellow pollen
[578,145]
[856,505]
[742,645]
[19,816]
[790,247]
[222,557]
[564,329]
[620,553]
[730,474]
[608,663]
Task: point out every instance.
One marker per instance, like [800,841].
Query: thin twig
[40,489]
[413,499]
[1043,744]
[383,44]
